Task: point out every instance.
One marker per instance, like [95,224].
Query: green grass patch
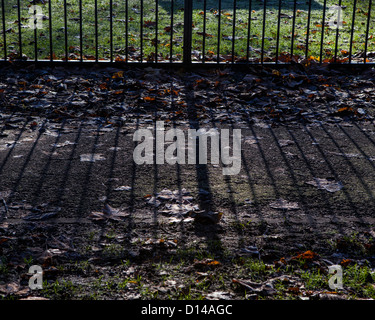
[148,32]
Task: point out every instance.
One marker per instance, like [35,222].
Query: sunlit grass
[150,34]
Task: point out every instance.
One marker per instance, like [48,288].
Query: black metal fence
[188,31]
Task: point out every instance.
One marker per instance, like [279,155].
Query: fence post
[188,30]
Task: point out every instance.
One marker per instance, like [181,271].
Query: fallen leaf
[60,145]
[294,290]
[251,140]
[174,220]
[207,35]
[119,74]
[345,262]
[149,99]
[108,213]
[179,209]
[10,288]
[307,255]
[91,157]
[34,298]
[284,143]
[206,262]
[328,185]
[123,188]
[250,250]
[282,204]
[149,24]
[264,289]
[219,295]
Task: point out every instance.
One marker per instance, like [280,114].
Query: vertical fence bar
[19,27]
[188,30]
[278,33]
[218,34]
[367,30]
[352,31]
[96,32]
[293,29]
[50,30]
[141,31]
[248,33]
[322,35]
[66,31]
[35,36]
[308,31]
[337,34]
[234,28]
[204,31]
[156,29]
[263,31]
[171,39]
[111,30]
[4,33]
[80,31]
[126,31]
[187,49]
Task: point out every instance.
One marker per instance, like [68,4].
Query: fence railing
[190,31]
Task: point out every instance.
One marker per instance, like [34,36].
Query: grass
[3,266]
[164,280]
[184,275]
[158,40]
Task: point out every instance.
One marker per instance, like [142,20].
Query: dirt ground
[102,227]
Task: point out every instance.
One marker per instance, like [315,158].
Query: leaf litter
[111,94]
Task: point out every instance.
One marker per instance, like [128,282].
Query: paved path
[298,183]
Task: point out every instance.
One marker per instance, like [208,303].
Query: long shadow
[6,121]
[255,204]
[249,179]
[180,197]
[42,180]
[86,178]
[205,198]
[62,188]
[227,179]
[155,221]
[352,167]
[110,179]
[132,182]
[365,156]
[322,193]
[203,181]
[332,169]
[364,133]
[294,180]
[130,224]
[26,163]
[178,176]
[273,182]
[112,165]
[22,130]
[287,217]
